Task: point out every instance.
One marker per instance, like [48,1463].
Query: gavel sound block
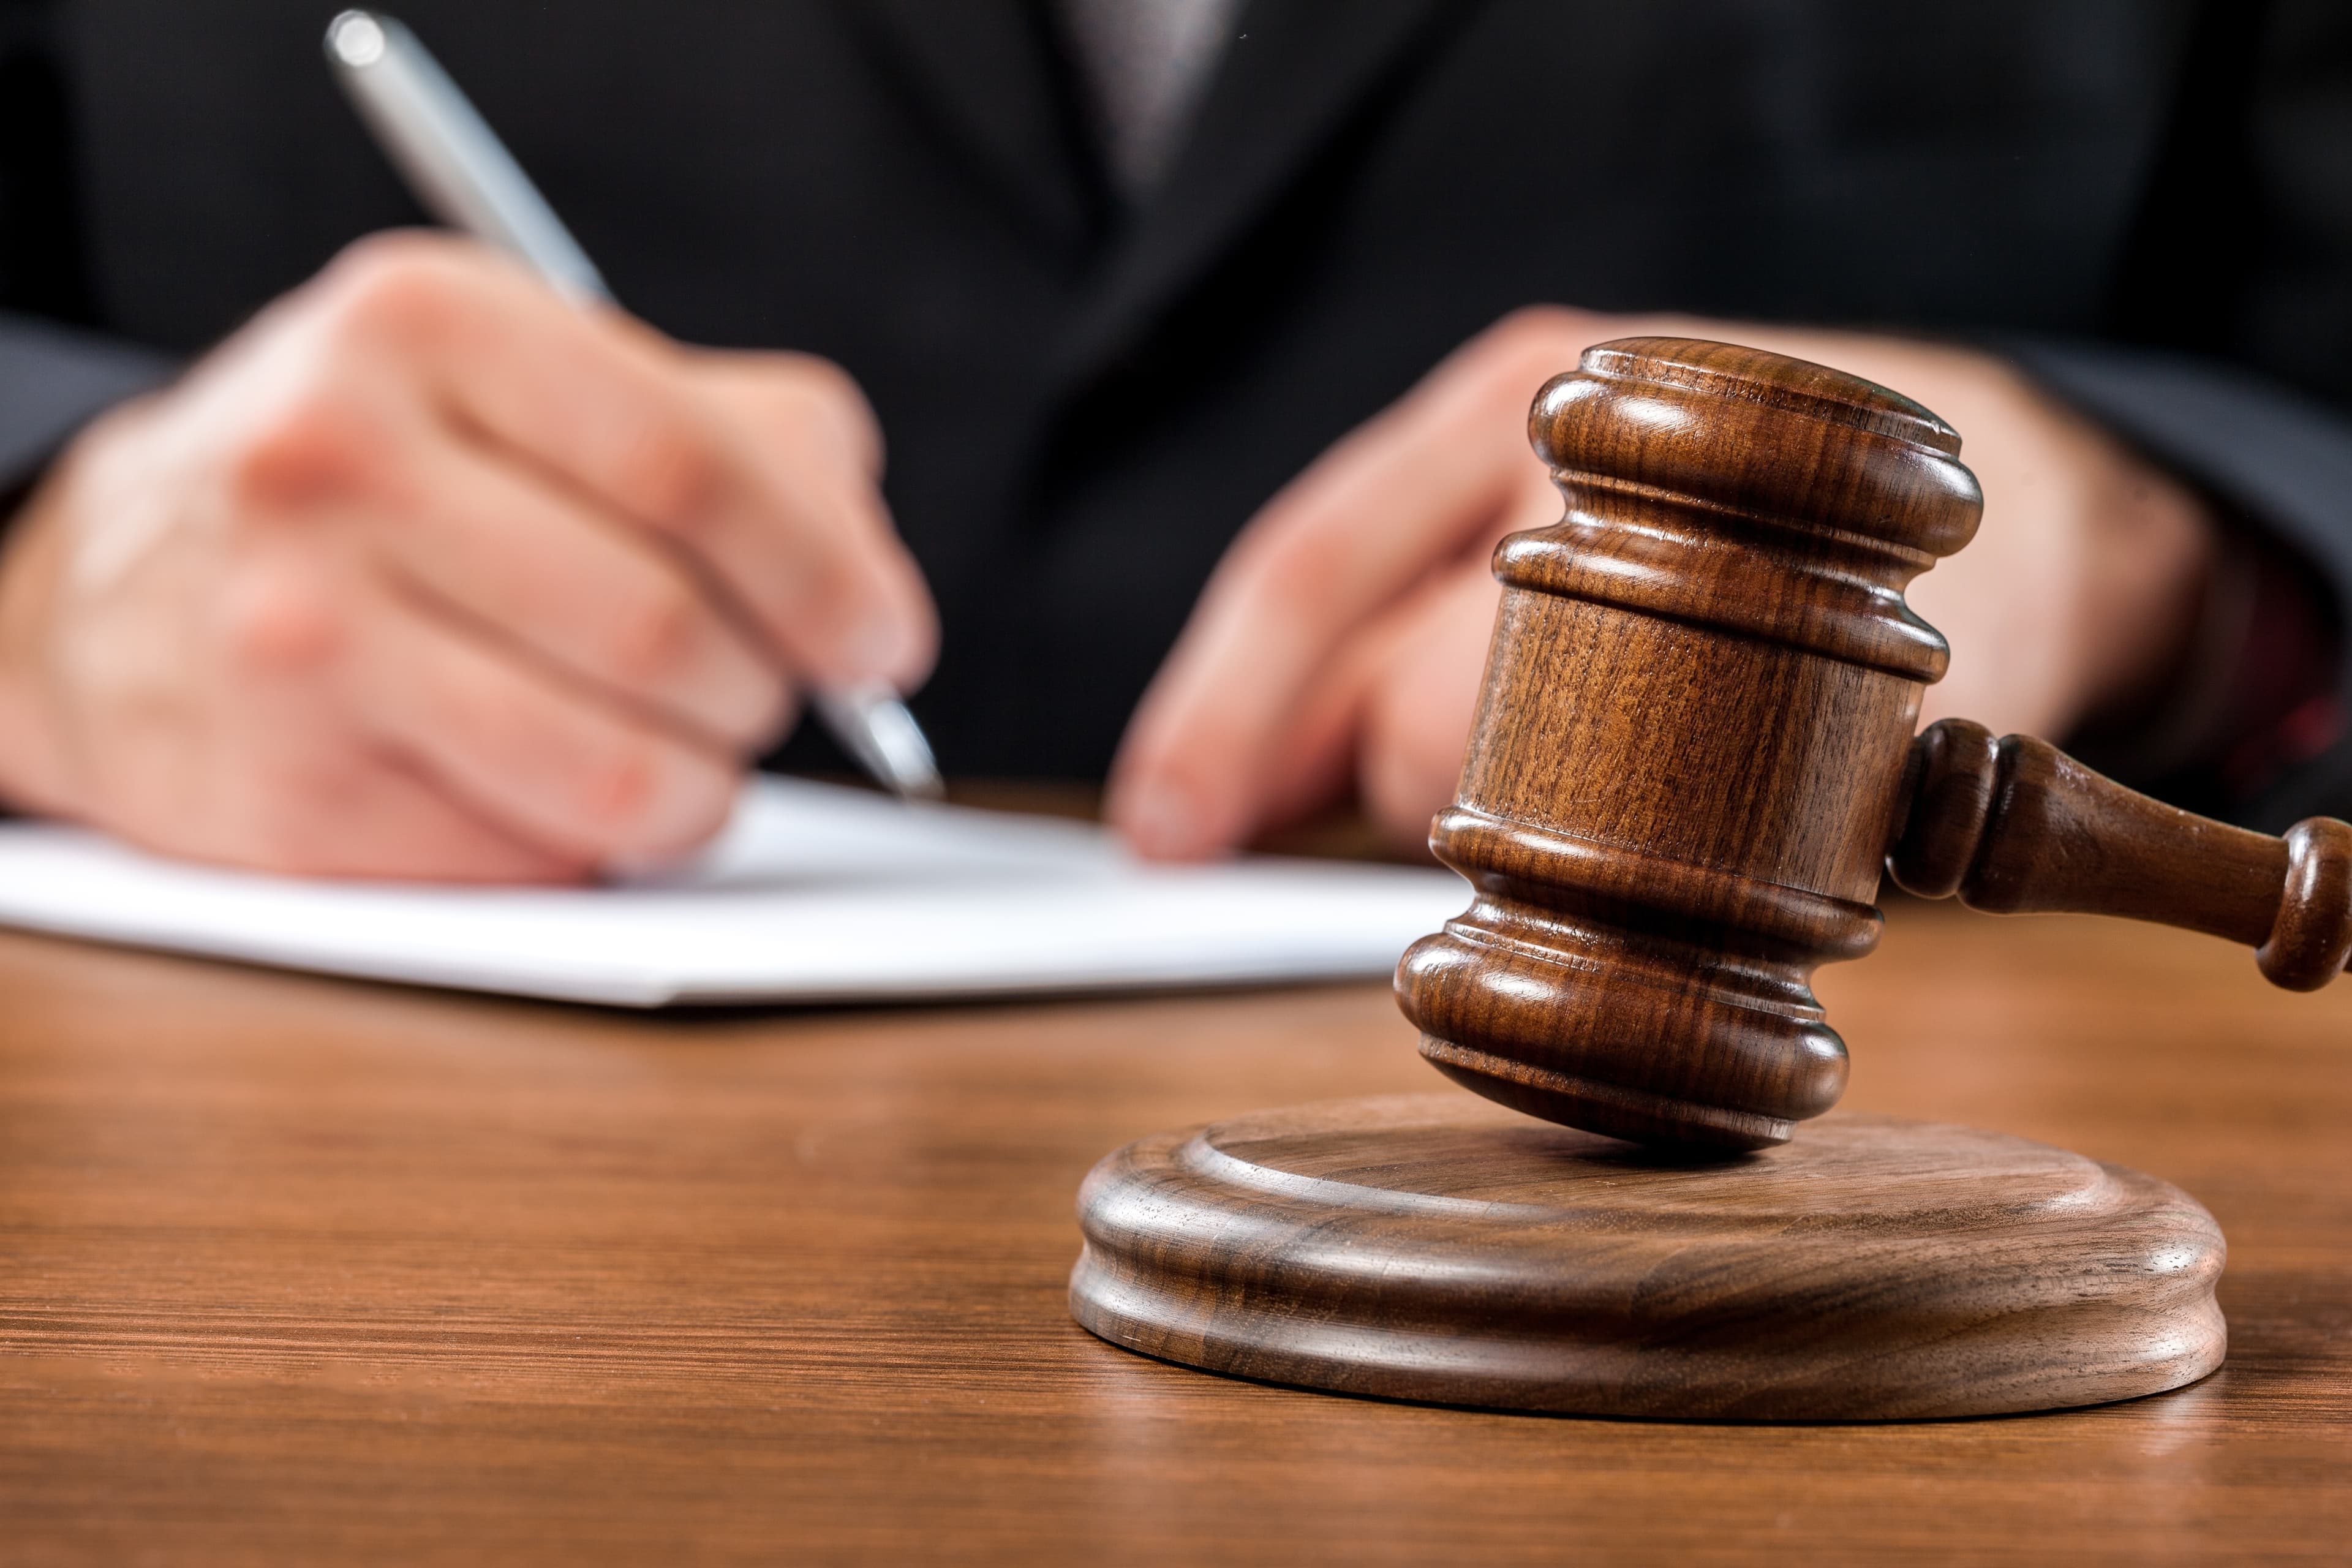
[1692,761]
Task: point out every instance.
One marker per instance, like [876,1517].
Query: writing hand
[429,573]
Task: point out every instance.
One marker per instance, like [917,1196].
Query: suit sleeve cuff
[53,380]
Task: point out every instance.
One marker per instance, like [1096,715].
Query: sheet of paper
[813,893]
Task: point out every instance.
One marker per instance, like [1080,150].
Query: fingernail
[1163,824]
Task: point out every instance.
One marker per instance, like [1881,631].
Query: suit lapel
[987,73]
[1286,86]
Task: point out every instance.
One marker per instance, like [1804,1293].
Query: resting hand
[1341,641]
[428,574]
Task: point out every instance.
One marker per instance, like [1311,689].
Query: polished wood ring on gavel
[1694,755]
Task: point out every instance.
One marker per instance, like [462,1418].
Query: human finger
[576,777]
[805,425]
[369,815]
[1410,489]
[1390,716]
[549,571]
[612,407]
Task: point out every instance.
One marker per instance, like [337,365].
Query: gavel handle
[2015,824]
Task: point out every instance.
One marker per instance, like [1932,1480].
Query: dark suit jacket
[2151,200]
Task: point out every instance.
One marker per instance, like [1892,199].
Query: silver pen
[466,177]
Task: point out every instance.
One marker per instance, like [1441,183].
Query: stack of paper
[813,893]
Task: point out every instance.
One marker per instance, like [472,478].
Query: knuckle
[312,448]
[393,288]
[281,619]
[1292,574]
[812,400]
[668,475]
[653,642]
[641,794]
[616,790]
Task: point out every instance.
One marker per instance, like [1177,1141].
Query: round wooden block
[1440,1247]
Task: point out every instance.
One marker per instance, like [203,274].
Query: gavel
[1694,758]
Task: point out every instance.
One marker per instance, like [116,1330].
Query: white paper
[813,893]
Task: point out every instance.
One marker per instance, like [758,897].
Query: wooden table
[300,1270]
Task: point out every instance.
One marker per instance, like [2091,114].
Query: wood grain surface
[1694,751]
[1690,742]
[304,1270]
[2014,825]
[1443,1248]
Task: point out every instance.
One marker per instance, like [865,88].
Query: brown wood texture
[302,1270]
[1442,1247]
[2015,825]
[1693,748]
[1691,743]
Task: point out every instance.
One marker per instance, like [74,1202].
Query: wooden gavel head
[1694,757]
